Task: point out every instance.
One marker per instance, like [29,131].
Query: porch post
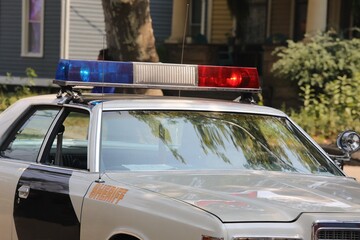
[178,21]
[316,16]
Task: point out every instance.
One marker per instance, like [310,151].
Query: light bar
[156,75]
[94,72]
[212,76]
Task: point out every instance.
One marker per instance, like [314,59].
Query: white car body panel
[158,205]
[250,196]
[10,172]
[146,215]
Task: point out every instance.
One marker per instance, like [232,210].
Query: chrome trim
[268,238]
[333,225]
[210,238]
[155,86]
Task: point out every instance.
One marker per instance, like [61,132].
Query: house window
[198,20]
[32,28]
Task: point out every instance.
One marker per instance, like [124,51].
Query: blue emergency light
[156,75]
[95,71]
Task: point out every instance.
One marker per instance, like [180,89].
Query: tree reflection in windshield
[143,140]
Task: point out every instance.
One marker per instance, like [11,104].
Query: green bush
[10,94]
[327,71]
[8,97]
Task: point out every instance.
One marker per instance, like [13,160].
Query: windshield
[188,140]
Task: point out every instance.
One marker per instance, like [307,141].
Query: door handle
[24,191]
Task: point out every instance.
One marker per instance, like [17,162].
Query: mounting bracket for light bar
[156,76]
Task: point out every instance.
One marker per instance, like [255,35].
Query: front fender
[110,208]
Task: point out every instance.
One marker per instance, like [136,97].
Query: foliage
[10,94]
[30,73]
[327,71]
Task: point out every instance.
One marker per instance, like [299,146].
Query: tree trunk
[129,32]
[240,10]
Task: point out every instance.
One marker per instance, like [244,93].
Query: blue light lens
[85,73]
[62,70]
[95,71]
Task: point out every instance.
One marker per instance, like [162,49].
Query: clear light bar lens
[164,74]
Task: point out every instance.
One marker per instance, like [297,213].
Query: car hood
[235,196]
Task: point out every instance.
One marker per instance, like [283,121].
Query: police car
[138,167]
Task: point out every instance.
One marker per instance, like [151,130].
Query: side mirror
[348,142]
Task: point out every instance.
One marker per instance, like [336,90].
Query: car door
[17,155]
[51,144]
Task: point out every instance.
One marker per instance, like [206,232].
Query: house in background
[37,33]
[209,32]
[269,24]
[292,19]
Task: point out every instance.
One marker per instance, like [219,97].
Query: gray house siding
[85,34]
[87,27]
[10,40]
[86,30]
[161,15]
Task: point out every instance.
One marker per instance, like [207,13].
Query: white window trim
[25,31]
[65,26]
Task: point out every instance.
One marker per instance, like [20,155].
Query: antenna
[100,180]
[183,40]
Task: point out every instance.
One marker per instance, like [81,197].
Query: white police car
[139,167]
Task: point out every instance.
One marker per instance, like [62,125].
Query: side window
[26,142]
[69,145]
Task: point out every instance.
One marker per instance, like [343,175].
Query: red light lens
[228,77]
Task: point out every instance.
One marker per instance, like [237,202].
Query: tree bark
[129,32]
[240,10]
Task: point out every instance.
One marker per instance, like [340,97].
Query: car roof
[146,102]
[184,103]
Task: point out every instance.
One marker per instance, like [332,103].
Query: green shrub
[9,97]
[10,94]
[327,71]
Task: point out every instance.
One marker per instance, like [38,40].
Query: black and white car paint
[42,200]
